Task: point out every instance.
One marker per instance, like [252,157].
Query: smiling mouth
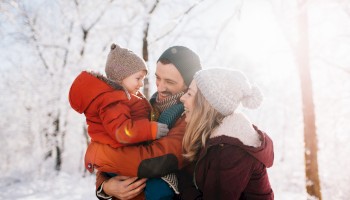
[163,95]
[186,110]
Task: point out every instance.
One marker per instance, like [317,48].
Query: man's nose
[161,87]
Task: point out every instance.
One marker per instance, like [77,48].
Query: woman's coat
[232,165]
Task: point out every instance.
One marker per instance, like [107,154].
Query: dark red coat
[229,169]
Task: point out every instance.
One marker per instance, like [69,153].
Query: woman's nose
[182,98]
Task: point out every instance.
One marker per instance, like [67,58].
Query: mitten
[162,130]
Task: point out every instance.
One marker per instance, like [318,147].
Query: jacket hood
[89,85]
[237,130]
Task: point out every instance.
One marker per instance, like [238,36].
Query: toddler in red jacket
[116,112]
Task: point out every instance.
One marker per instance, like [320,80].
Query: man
[174,72]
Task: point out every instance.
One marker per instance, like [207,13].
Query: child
[116,112]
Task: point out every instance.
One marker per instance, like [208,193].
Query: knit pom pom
[253,99]
[113,46]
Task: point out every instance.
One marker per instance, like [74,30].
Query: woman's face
[188,100]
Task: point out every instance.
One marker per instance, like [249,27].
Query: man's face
[168,80]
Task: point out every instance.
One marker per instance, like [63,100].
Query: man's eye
[171,83]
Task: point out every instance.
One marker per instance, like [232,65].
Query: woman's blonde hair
[203,120]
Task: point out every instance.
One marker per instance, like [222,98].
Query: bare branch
[146,30]
[66,50]
[154,7]
[87,30]
[179,21]
[33,37]
[53,46]
[227,21]
[337,66]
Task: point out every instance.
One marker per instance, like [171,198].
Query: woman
[228,154]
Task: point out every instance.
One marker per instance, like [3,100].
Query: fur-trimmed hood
[89,85]
[237,130]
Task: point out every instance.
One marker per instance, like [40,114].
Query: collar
[237,125]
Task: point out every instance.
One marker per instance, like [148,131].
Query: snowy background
[45,43]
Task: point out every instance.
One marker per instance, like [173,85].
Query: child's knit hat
[122,63]
[225,89]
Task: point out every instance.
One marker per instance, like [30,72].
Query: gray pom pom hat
[226,89]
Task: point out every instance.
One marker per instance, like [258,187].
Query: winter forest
[294,50]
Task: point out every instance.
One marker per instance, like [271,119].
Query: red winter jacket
[112,117]
[156,159]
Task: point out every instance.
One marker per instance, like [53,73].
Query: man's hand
[124,187]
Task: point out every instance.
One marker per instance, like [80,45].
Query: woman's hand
[124,187]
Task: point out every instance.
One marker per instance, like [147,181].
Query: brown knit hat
[122,63]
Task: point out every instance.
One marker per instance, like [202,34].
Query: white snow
[258,40]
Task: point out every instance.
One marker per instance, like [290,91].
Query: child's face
[134,82]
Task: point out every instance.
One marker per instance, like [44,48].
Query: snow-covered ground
[63,186]
[258,40]
[73,187]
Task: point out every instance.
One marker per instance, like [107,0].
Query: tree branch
[227,21]
[179,21]
[337,66]
[27,21]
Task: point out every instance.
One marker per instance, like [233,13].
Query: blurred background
[296,51]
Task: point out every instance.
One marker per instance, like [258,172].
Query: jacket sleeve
[100,178]
[118,122]
[154,159]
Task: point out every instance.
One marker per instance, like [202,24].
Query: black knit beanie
[184,59]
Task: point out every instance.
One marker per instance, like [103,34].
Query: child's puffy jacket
[113,116]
